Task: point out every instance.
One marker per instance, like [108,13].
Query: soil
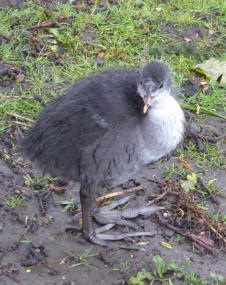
[34,252]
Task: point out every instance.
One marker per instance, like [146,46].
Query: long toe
[103,240]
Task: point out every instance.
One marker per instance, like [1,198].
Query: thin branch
[19,97]
[20,117]
[157,199]
[213,198]
[192,237]
[21,123]
[115,194]
[50,23]
[7,38]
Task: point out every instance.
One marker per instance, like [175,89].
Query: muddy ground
[35,252]
[44,260]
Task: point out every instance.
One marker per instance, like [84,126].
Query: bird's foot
[103,239]
[107,214]
[109,217]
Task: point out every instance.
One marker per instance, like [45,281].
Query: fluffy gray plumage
[103,130]
[98,129]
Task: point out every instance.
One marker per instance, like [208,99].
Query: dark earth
[33,251]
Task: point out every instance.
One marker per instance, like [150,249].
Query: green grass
[168,273]
[123,33]
[13,201]
[81,259]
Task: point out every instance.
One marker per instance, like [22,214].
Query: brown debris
[50,23]
[168,185]
[115,194]
[187,234]
[20,117]
[5,37]
[200,221]
[56,189]
[213,198]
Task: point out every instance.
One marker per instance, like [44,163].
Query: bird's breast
[162,131]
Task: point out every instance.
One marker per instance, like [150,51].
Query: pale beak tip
[145,109]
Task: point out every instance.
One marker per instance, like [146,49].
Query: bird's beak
[147,102]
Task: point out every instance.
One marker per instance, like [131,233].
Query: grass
[65,55]
[14,201]
[168,273]
[82,259]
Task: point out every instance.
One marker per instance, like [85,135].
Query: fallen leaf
[166,244]
[48,13]
[56,189]
[213,69]
[190,183]
[143,243]
[187,165]
[19,78]
[100,58]
[210,182]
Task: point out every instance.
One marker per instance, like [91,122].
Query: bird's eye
[161,85]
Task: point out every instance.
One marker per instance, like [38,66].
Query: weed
[68,206]
[26,239]
[81,260]
[168,273]
[14,201]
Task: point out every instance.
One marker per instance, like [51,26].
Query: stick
[6,194]
[5,37]
[186,234]
[157,199]
[24,232]
[213,198]
[20,123]
[50,23]
[20,117]
[6,96]
[115,194]
[203,111]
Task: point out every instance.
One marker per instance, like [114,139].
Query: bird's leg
[86,195]
[86,199]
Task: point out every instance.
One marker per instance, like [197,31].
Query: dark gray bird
[103,130]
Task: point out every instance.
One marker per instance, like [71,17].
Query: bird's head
[154,84]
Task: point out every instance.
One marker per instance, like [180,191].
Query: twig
[216,232]
[212,140]
[115,194]
[24,232]
[95,45]
[213,198]
[157,199]
[20,117]
[6,96]
[20,123]
[202,110]
[6,194]
[186,234]
[50,23]
[7,38]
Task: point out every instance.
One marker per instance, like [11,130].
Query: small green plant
[82,260]
[26,239]
[68,205]
[125,265]
[217,279]
[179,238]
[166,273]
[14,201]
[48,220]
[190,183]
